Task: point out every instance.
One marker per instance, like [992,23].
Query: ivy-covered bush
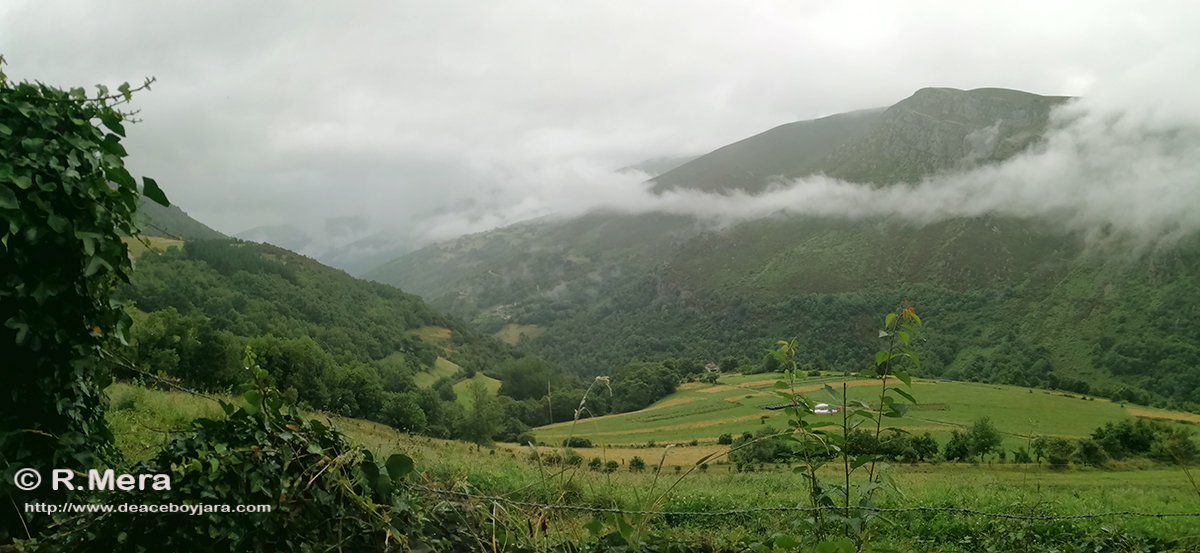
[66,201]
[321,492]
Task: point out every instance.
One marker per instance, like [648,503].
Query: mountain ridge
[605,288]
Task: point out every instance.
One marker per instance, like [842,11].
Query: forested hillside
[334,342]
[349,346]
[1017,300]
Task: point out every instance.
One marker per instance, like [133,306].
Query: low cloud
[401,123]
[1097,172]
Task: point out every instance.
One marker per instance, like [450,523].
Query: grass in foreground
[138,416]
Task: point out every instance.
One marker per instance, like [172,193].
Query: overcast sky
[441,117]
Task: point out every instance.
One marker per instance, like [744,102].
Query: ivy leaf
[120,176]
[8,199]
[94,265]
[594,527]
[57,223]
[399,466]
[41,293]
[4,129]
[112,145]
[113,123]
[123,325]
[151,190]
[370,472]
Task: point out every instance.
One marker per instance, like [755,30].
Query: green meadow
[441,368]
[511,333]
[463,388]
[736,404]
[142,244]
[144,420]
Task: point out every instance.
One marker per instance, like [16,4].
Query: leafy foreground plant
[842,513]
[845,524]
[323,493]
[66,201]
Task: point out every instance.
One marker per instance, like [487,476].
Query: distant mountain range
[1010,300]
[657,166]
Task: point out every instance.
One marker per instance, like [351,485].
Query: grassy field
[436,335]
[736,404]
[137,246]
[441,368]
[142,418]
[462,388]
[512,332]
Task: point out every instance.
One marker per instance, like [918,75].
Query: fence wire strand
[733,512]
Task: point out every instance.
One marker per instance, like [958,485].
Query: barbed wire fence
[757,510]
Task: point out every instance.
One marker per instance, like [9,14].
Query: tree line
[1127,439]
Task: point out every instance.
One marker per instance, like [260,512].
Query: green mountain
[935,129]
[791,150]
[172,222]
[1009,300]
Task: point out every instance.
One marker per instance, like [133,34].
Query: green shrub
[576,441]
[637,464]
[1089,452]
[322,491]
